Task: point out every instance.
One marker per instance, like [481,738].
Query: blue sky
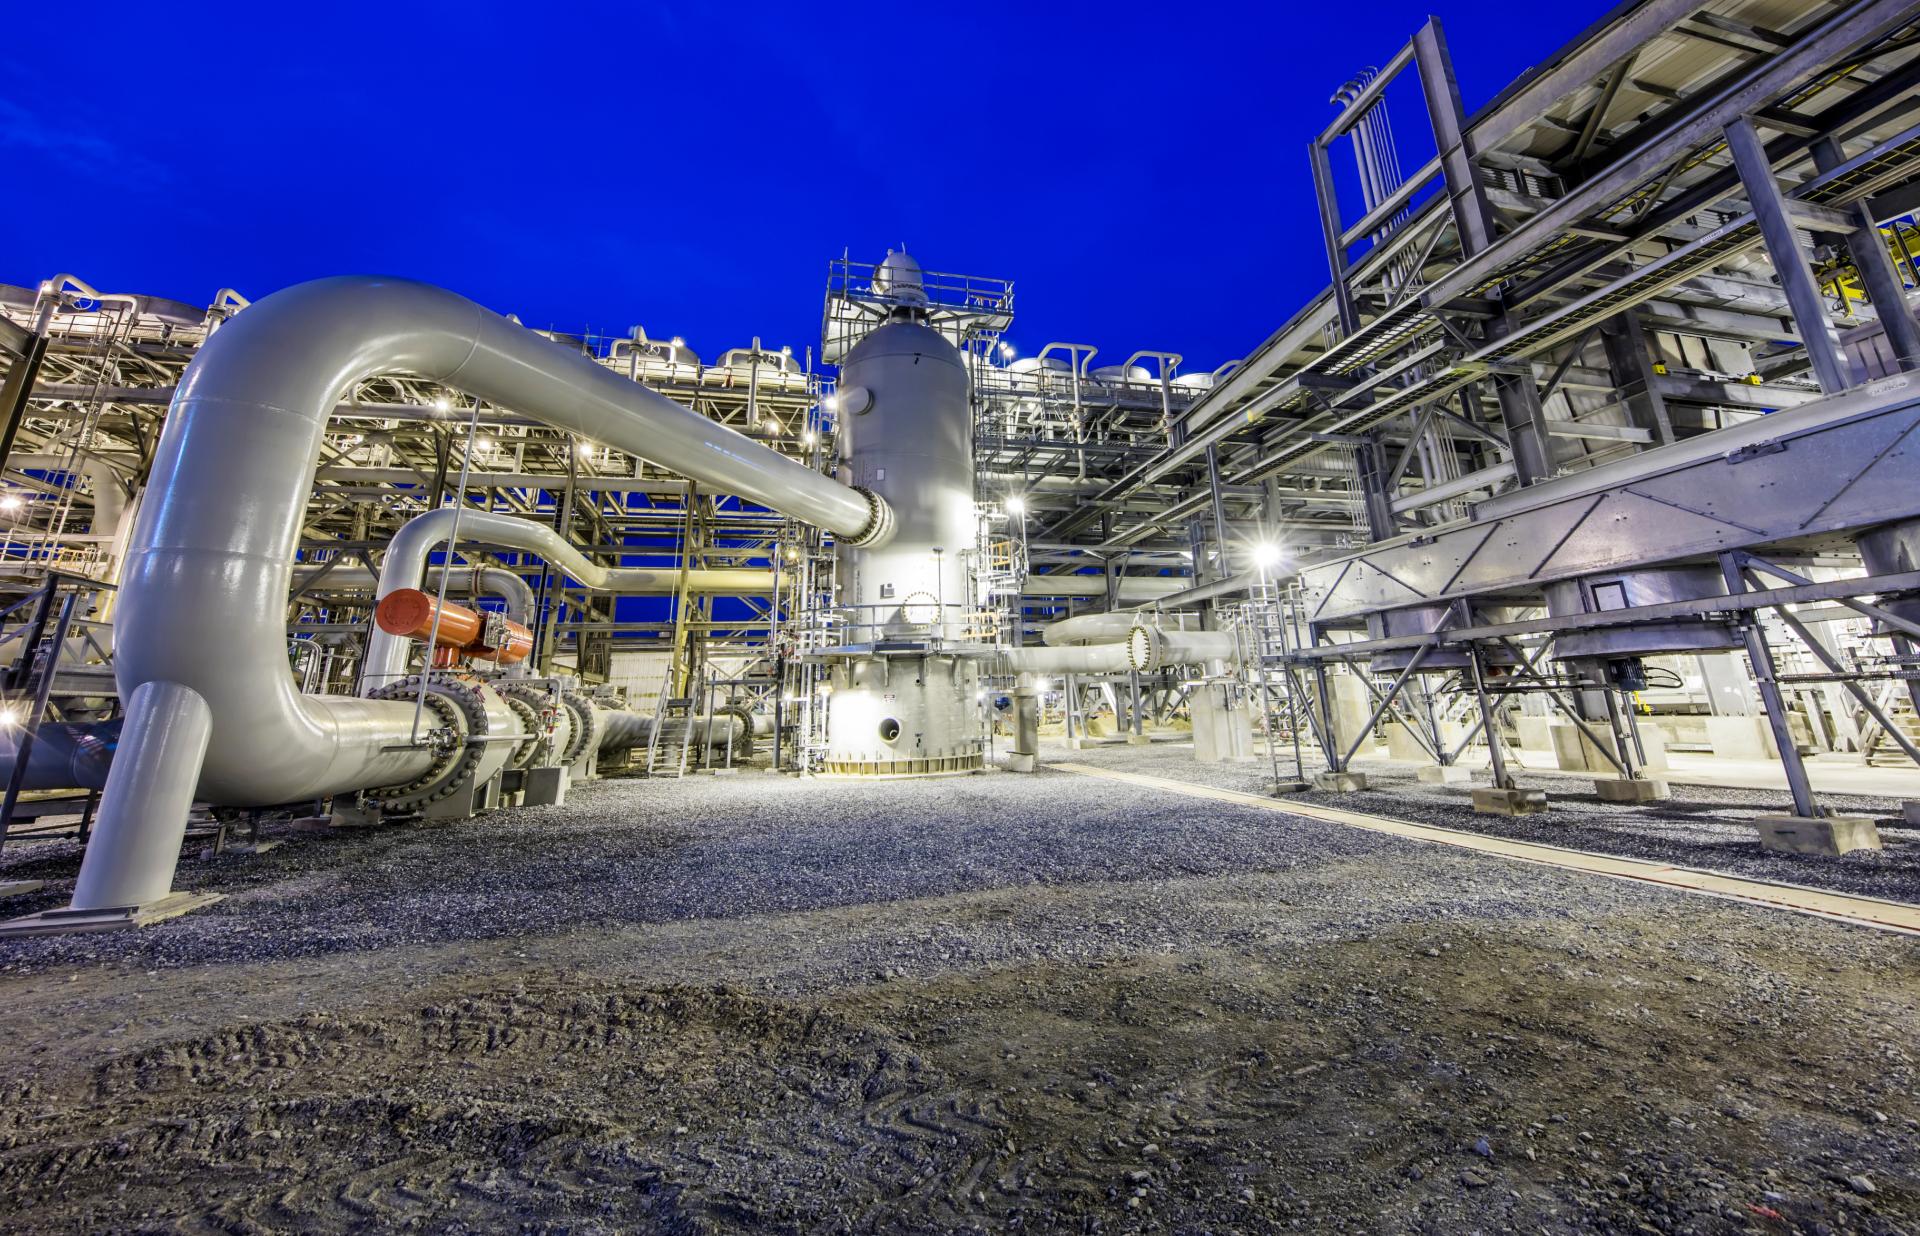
[1138,171]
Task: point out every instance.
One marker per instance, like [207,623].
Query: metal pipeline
[64,756]
[472,581]
[1131,587]
[627,730]
[201,641]
[1124,643]
[406,564]
[1081,659]
[411,614]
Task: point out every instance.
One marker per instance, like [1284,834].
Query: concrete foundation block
[1496,801]
[544,787]
[1571,749]
[1636,790]
[20,888]
[1340,782]
[68,920]
[1830,836]
[1016,762]
[1139,740]
[1402,745]
[1536,733]
[1445,774]
[1742,738]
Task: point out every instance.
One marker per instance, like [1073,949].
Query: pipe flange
[1146,649]
[530,703]
[461,710]
[879,527]
[523,755]
[584,730]
[745,748]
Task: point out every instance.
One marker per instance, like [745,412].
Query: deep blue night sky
[1138,171]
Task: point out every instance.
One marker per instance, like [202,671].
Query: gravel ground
[1700,826]
[987,1003]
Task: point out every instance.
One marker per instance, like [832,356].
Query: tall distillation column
[906,681]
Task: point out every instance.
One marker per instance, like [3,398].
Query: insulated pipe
[627,730]
[232,472]
[1126,644]
[412,614]
[1081,659]
[406,564]
[1132,587]
[64,756]
[1149,649]
[1089,629]
[1104,628]
[472,580]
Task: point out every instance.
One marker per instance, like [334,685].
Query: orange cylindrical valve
[410,613]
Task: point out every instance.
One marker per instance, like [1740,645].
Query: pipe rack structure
[1623,363]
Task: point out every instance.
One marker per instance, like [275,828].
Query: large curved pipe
[212,550]
[406,563]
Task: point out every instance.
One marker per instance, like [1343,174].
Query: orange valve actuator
[409,613]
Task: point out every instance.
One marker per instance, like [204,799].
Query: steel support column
[1871,259]
[1761,658]
[1497,763]
[1777,229]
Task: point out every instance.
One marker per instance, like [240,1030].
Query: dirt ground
[1354,1034]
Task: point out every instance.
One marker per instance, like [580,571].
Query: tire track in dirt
[594,1108]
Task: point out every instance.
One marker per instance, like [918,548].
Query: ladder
[1263,626]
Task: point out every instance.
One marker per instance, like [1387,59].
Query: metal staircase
[1881,751]
[668,706]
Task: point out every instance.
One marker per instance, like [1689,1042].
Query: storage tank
[904,696]
[1124,375]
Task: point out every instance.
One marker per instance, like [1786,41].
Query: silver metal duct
[200,656]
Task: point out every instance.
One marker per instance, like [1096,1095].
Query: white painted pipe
[1080,659]
[1149,649]
[406,564]
[1132,587]
[465,580]
[1090,629]
[206,578]
[129,862]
